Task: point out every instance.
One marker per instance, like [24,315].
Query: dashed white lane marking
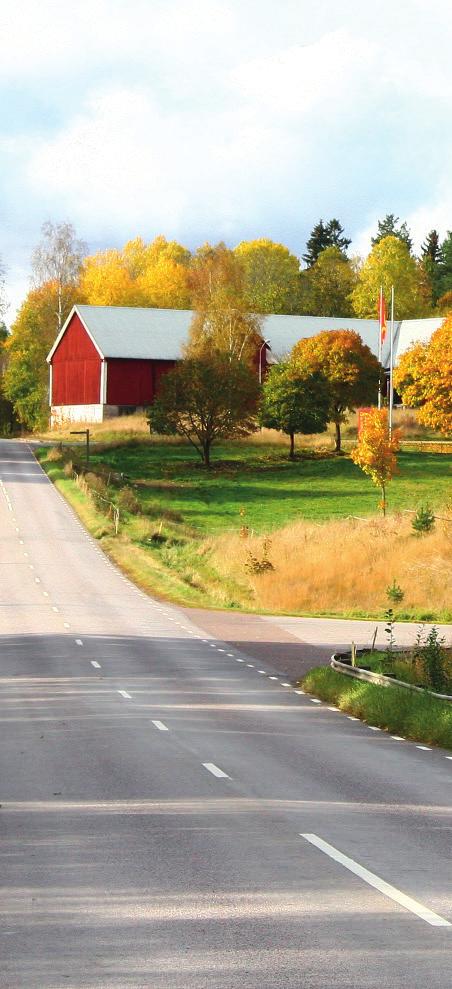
[398,738]
[332,709]
[230,654]
[314,700]
[160,725]
[54,608]
[285,684]
[46,594]
[424,748]
[31,567]
[299,692]
[96,665]
[262,671]
[21,542]
[273,678]
[37,580]
[66,624]
[373,728]
[212,768]
[251,666]
[221,650]
[351,718]
[78,642]
[125,694]
[212,645]
[240,660]
[380,884]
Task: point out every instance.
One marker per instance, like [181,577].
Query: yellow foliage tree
[390,263]
[423,378]
[105,280]
[376,450]
[271,276]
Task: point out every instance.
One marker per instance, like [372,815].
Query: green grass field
[257,486]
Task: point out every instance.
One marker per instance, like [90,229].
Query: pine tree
[325,235]
[388,228]
[432,260]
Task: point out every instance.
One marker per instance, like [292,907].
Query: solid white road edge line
[212,768]
[372,880]
[160,725]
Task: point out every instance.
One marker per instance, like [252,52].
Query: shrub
[68,468]
[97,484]
[433,659]
[394,593]
[128,501]
[55,453]
[424,520]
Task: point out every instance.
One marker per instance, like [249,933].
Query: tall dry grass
[344,566]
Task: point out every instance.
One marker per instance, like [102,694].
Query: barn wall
[76,368]
[134,382]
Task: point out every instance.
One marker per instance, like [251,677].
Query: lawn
[199,536]
[257,486]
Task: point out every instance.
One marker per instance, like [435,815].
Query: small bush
[424,520]
[128,501]
[55,453]
[257,565]
[97,484]
[68,468]
[433,658]
[394,593]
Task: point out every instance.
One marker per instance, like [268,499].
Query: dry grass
[344,566]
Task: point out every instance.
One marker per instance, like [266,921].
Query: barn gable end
[76,369]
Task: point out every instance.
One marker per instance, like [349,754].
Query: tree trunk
[383,499]
[292,447]
[337,448]
[206,452]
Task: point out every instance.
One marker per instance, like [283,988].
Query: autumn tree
[271,276]
[105,280]
[423,378]
[58,259]
[294,402]
[376,451]
[6,407]
[161,270]
[349,367]
[389,263]
[222,322]
[323,235]
[206,399]
[328,284]
[26,377]
[389,227]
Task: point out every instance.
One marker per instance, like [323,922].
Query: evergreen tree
[388,228]
[432,261]
[445,281]
[325,235]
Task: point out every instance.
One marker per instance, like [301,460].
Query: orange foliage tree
[349,367]
[423,378]
[376,450]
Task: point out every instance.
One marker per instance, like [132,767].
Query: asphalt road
[171,816]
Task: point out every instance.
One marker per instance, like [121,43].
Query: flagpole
[391,365]
[380,309]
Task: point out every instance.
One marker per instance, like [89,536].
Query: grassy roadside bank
[259,534]
[417,717]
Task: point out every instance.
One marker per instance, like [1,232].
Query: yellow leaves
[390,263]
[376,451]
[105,280]
[424,378]
[141,274]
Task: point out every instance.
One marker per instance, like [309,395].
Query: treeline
[234,286]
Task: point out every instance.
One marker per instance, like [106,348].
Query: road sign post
[82,432]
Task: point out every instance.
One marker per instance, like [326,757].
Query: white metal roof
[159,334]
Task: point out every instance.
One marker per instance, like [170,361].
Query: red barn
[109,359]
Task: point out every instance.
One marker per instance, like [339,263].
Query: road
[171,816]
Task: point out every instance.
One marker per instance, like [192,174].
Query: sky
[221,120]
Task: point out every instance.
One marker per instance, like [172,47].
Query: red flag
[382,317]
